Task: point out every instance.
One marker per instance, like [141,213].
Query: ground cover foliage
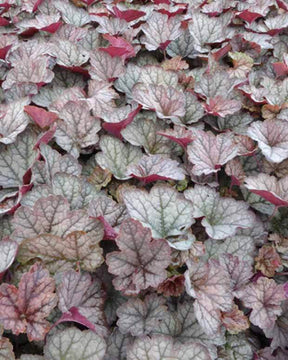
[143,180]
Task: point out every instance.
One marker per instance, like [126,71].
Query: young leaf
[40,116]
[116,156]
[209,152]
[272,138]
[141,261]
[222,216]
[80,291]
[141,317]
[63,253]
[264,298]
[163,210]
[210,285]
[25,309]
[73,343]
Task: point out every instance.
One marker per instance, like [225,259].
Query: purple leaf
[264,297]
[141,261]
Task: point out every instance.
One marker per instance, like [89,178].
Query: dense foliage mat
[144,179]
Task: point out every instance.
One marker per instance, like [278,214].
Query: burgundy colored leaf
[128,15]
[25,309]
[40,116]
[179,134]
[119,47]
[117,119]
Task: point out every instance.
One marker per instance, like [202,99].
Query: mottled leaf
[61,253]
[264,297]
[156,167]
[26,308]
[80,291]
[268,187]
[272,138]
[163,210]
[117,156]
[52,215]
[141,261]
[222,216]
[209,152]
[160,347]
[73,343]
[78,128]
[160,30]
[139,317]
[210,285]
[17,159]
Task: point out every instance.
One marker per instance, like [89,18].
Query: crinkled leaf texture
[73,343]
[221,216]
[141,261]
[25,309]
[163,210]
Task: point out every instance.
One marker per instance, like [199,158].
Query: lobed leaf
[141,261]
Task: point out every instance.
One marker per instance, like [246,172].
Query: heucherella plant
[143,180]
